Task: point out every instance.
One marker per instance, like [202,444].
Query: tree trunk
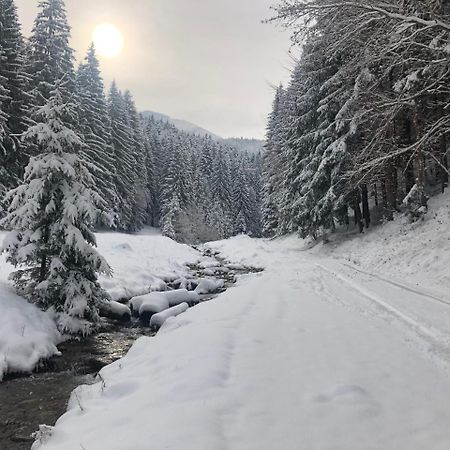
[375,193]
[391,193]
[358,215]
[419,161]
[365,205]
[444,161]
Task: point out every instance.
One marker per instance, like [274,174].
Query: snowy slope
[27,335]
[310,354]
[141,261]
[417,253]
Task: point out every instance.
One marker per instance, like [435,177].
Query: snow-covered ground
[310,354]
[143,260]
[27,335]
[139,261]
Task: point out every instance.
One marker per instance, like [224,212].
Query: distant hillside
[182,125]
[249,145]
[242,144]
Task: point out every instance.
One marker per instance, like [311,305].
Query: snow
[206,286]
[153,303]
[116,310]
[27,335]
[309,354]
[159,319]
[142,262]
[179,296]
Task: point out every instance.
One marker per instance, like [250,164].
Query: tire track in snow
[437,343]
[417,291]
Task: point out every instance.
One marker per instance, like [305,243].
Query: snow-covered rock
[116,310]
[209,286]
[152,303]
[157,320]
[178,296]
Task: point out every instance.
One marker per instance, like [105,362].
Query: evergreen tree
[95,129]
[140,151]
[14,99]
[124,159]
[51,215]
[51,58]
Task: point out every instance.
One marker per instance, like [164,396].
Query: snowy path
[311,355]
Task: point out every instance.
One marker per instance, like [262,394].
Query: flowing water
[28,401]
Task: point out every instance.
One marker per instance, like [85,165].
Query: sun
[108,40]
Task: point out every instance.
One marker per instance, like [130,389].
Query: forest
[145,171]
[361,131]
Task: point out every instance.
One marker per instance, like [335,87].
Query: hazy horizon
[209,63]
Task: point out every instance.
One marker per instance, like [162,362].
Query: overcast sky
[211,62]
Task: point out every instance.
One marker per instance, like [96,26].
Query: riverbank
[141,262]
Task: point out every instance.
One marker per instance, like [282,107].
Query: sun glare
[108,40]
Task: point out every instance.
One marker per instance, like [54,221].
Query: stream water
[29,401]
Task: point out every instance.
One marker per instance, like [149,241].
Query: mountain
[182,125]
[248,145]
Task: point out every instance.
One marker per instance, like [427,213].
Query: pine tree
[15,99]
[140,151]
[272,165]
[51,58]
[124,159]
[95,129]
[51,215]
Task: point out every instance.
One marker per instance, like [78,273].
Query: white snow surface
[310,354]
[27,335]
[142,262]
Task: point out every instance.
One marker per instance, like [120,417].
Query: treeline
[363,124]
[145,171]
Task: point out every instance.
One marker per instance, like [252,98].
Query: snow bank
[417,253]
[142,262]
[158,320]
[27,335]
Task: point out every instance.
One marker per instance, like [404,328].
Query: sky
[211,62]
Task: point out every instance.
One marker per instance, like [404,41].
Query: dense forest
[145,171]
[361,131]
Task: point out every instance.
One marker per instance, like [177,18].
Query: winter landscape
[262,264]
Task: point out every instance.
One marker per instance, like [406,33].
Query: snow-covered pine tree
[51,57]
[5,175]
[272,164]
[95,129]
[241,198]
[51,217]
[176,187]
[152,130]
[124,160]
[15,102]
[140,151]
